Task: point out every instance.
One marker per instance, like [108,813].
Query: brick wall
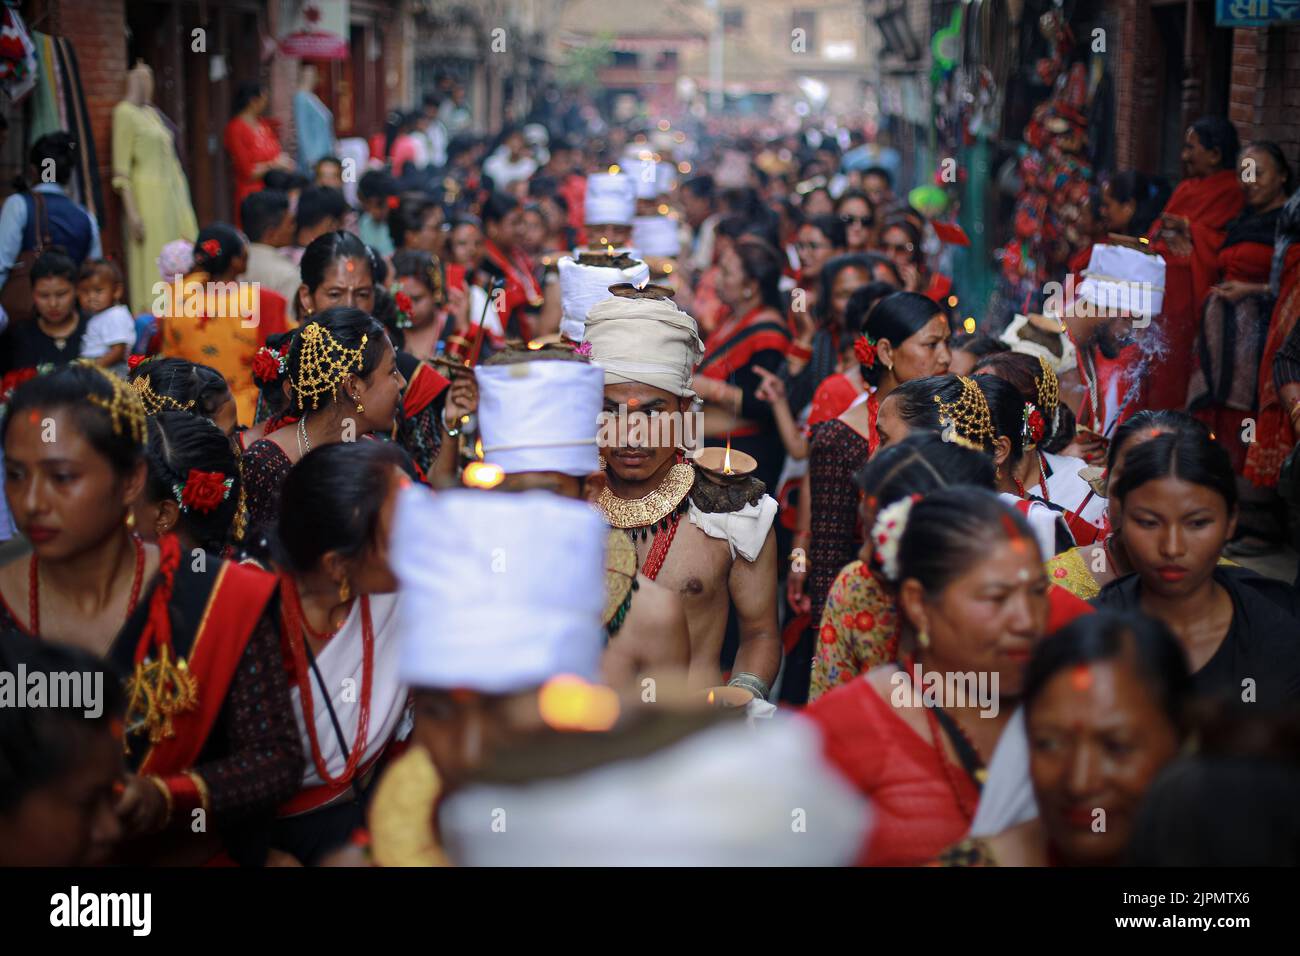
[1127,37]
[1265,101]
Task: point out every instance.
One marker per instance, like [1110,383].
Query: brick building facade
[1174,64]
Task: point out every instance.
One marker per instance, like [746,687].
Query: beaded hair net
[124,409]
[967,421]
[322,363]
[152,402]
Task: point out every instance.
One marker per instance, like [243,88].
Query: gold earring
[360,408]
[345,591]
[923,638]
[130,519]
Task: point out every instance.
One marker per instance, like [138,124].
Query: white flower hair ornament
[887,534]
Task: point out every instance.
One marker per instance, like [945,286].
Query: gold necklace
[659,504]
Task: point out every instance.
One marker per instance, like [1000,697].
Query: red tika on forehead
[1081,677]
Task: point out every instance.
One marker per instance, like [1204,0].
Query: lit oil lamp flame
[479,474]
[710,698]
[567,702]
[726,460]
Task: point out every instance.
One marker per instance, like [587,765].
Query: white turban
[645,177]
[649,341]
[1120,278]
[500,592]
[656,236]
[582,286]
[540,415]
[610,199]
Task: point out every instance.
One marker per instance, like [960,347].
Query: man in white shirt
[511,162]
[270,226]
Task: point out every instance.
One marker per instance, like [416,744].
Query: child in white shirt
[111,329]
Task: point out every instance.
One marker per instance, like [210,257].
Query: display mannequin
[149,180]
[312,121]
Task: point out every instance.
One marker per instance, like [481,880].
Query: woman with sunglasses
[858,216]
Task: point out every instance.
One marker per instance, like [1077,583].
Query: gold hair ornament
[125,408]
[322,364]
[152,402]
[967,421]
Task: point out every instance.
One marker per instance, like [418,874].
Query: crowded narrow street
[706,433]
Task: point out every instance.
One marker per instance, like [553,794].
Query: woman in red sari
[209,731]
[972,595]
[1105,702]
[1235,316]
[1188,234]
[1279,372]
[252,143]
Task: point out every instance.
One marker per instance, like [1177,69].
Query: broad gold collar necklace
[664,501]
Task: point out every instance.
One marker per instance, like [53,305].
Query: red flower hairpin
[864,349]
[203,490]
[268,365]
[393,202]
[404,308]
[1034,425]
[211,247]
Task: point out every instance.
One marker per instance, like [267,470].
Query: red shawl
[1273,437]
[1209,203]
[521,291]
[234,605]
[731,346]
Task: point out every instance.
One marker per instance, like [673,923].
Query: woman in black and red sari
[754,333]
[209,732]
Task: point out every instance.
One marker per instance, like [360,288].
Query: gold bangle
[202,786]
[157,781]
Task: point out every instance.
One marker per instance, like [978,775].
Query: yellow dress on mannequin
[144,160]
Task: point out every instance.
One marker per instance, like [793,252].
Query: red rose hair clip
[864,349]
[269,365]
[404,308]
[203,491]
[1033,425]
[393,202]
[211,248]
